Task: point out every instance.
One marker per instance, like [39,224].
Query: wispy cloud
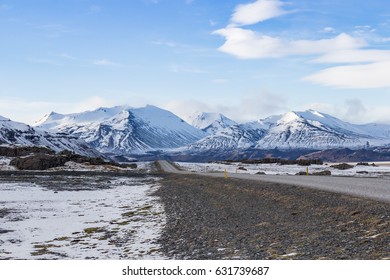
[329,30]
[105,62]
[248,44]
[362,76]
[179,47]
[353,110]
[151,1]
[251,107]
[94,9]
[67,56]
[258,11]
[44,61]
[175,68]
[52,30]
[212,22]
[170,44]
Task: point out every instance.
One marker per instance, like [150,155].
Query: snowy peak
[3,119]
[315,130]
[210,122]
[238,136]
[303,130]
[289,118]
[127,130]
[53,121]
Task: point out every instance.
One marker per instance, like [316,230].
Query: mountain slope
[15,133]
[295,130]
[239,136]
[311,129]
[125,130]
[210,122]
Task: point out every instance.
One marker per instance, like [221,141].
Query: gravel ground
[216,218]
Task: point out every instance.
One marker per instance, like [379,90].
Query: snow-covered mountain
[295,130]
[16,133]
[210,122]
[311,129]
[238,136]
[125,130]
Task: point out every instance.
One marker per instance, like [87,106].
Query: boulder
[38,162]
[342,166]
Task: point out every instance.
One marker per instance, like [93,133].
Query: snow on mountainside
[311,129]
[239,136]
[210,122]
[307,130]
[15,133]
[124,129]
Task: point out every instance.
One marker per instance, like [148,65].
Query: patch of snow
[4,164]
[210,122]
[277,169]
[121,222]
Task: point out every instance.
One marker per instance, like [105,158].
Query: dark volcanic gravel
[212,218]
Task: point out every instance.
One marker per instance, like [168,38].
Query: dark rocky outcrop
[38,162]
[16,151]
[46,159]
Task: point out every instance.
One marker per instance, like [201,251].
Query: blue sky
[246,59]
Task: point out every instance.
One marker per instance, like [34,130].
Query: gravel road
[372,188]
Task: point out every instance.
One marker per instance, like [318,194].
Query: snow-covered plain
[277,169]
[119,220]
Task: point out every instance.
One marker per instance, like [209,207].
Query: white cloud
[257,11]
[353,111]
[354,56]
[248,44]
[104,62]
[366,76]
[175,68]
[362,69]
[185,108]
[250,108]
[90,104]
[212,22]
[329,30]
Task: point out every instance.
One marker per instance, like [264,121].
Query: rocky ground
[212,218]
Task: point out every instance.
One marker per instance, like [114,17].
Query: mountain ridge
[125,130]
[16,133]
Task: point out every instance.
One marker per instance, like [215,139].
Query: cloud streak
[248,44]
[105,62]
[365,76]
[256,12]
